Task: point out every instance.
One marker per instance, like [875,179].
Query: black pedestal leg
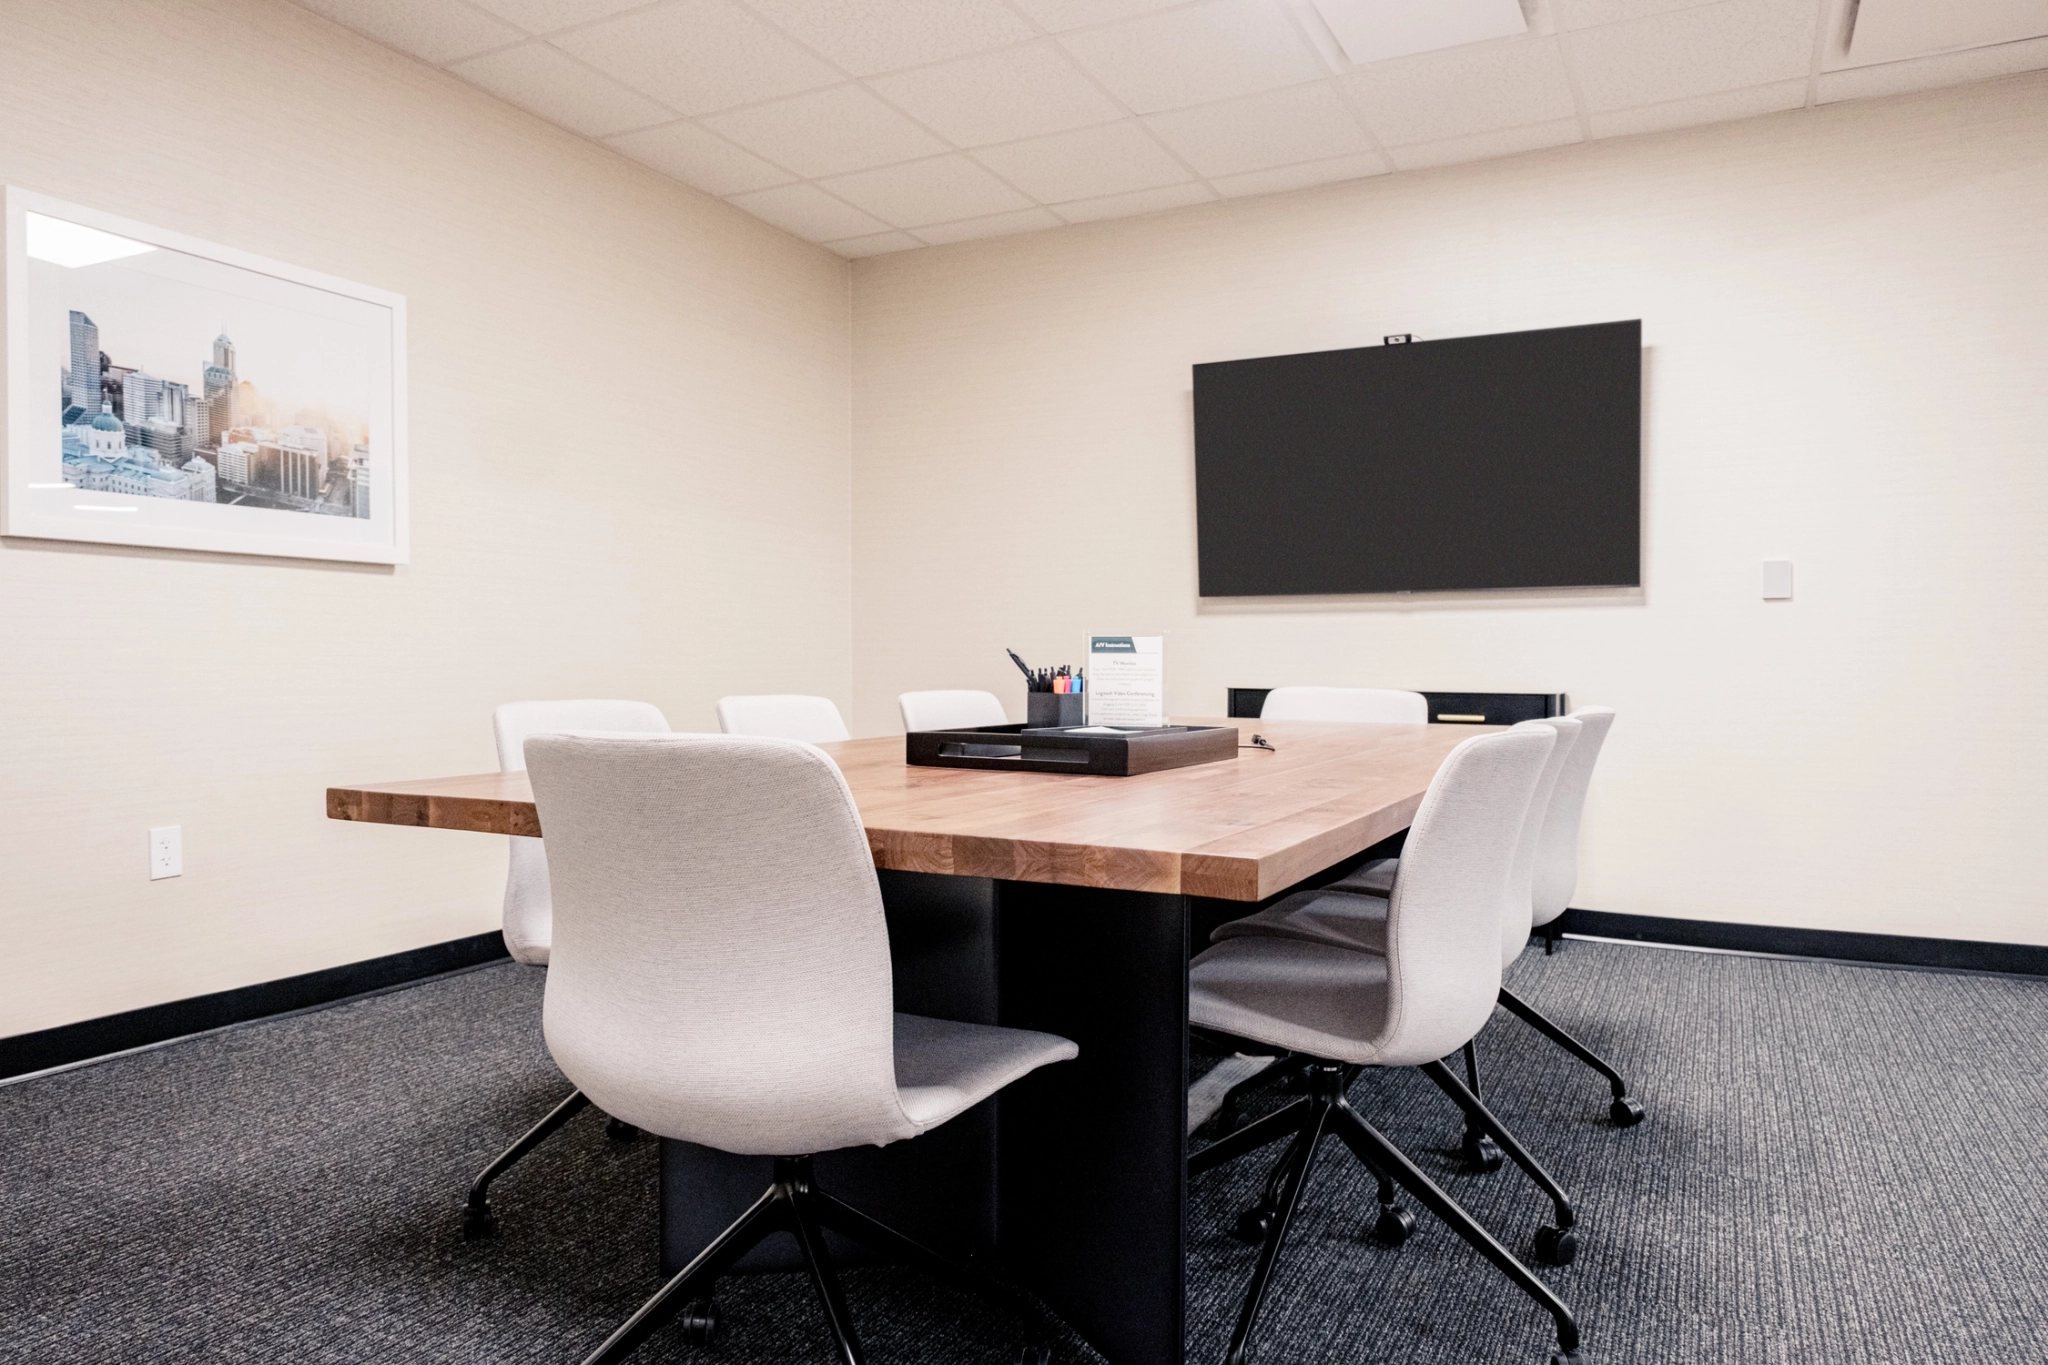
[1093,1152]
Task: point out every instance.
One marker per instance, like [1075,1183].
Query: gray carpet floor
[1840,1164]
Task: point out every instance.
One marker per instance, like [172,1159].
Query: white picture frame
[295,446]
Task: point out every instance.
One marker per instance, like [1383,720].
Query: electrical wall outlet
[166,852]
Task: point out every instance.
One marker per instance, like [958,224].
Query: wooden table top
[1235,830]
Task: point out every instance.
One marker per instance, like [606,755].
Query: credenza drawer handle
[1460,720]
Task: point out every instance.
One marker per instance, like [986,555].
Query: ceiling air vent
[1375,30]
[1894,30]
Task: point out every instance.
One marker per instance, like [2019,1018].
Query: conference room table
[1059,902]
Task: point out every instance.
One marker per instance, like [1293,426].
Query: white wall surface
[1847,366]
[629,448]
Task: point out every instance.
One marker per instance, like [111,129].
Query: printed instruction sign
[1126,680]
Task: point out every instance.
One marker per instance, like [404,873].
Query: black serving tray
[1058,749]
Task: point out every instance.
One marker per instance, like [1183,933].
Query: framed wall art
[166,391]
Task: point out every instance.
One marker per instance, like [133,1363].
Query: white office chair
[1351,912]
[814,720]
[529,915]
[1355,704]
[1424,998]
[950,710]
[721,975]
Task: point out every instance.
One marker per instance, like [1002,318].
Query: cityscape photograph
[209,435]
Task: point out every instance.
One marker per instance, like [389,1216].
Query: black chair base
[1326,1112]
[1624,1111]
[791,1204]
[477,1219]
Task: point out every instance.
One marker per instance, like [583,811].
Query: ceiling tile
[1928,73]
[1302,176]
[881,243]
[936,191]
[1112,159]
[1729,104]
[999,225]
[697,56]
[1131,205]
[435,31]
[562,90]
[1003,96]
[1465,90]
[1590,13]
[700,157]
[827,132]
[1204,52]
[1694,52]
[809,212]
[1057,15]
[868,37]
[545,16]
[1279,128]
[1480,146]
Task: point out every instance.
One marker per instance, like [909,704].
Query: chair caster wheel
[1556,1246]
[1253,1225]
[478,1222]
[620,1131]
[701,1323]
[1625,1112]
[1481,1153]
[1393,1225]
[1035,1355]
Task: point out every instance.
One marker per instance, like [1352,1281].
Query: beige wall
[1848,366]
[629,445]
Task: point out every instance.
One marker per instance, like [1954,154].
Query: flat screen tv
[1508,461]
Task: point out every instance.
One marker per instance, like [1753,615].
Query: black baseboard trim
[1894,950]
[89,1038]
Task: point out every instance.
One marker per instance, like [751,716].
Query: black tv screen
[1508,461]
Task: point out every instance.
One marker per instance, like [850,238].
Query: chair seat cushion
[944,1067]
[1375,878]
[1336,918]
[1307,997]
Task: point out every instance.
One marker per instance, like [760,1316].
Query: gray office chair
[815,720]
[953,710]
[1354,704]
[720,975]
[1420,1000]
[1551,849]
[529,915]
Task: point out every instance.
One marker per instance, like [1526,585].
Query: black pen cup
[1043,709]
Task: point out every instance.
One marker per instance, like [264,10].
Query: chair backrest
[950,710]
[814,720]
[1557,859]
[1444,917]
[528,917]
[721,965]
[1518,912]
[1346,703]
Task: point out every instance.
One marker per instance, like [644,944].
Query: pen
[1022,667]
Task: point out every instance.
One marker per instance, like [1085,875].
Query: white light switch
[1777,580]
[166,852]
